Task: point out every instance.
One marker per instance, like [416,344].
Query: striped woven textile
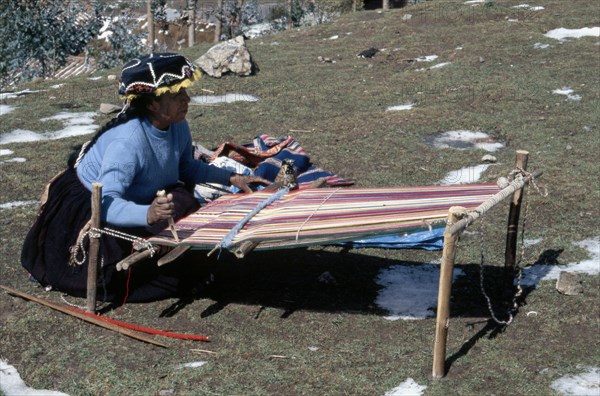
[322,215]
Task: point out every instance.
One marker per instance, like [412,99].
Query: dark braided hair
[137,109]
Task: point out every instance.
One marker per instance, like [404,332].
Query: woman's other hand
[243,181]
[160,209]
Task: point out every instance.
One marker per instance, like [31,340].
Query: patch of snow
[528,7]
[5,109]
[568,92]
[105,35]
[313,348]
[563,33]
[427,58]
[12,95]
[584,384]
[467,175]
[258,29]
[409,292]
[538,272]
[11,384]
[15,159]
[172,14]
[20,136]
[76,124]
[400,107]
[407,388]
[5,152]
[227,98]
[190,365]
[541,46]
[57,86]
[462,139]
[475,2]
[105,25]
[94,78]
[16,204]
[439,65]
[531,242]
[335,37]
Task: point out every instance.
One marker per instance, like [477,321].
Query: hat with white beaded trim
[156,74]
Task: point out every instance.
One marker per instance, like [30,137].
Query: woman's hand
[243,181]
[161,209]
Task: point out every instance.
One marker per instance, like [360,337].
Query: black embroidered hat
[156,74]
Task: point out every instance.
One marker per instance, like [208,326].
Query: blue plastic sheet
[426,240]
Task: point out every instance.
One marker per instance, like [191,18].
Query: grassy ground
[271,303]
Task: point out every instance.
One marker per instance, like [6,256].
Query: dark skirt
[47,249]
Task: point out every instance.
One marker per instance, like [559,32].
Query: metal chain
[519,291]
[482,286]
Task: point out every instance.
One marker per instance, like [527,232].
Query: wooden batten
[172,255]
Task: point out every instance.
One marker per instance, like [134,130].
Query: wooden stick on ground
[85,317]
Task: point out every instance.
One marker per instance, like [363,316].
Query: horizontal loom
[287,219]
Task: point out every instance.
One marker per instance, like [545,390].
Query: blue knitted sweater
[134,160]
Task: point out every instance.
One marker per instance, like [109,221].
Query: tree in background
[37,36]
[124,43]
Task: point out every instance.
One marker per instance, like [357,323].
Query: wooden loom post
[514,212]
[92,276]
[443,309]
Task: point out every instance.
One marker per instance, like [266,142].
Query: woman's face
[169,108]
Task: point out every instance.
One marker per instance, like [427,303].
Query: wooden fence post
[510,254]
[443,309]
[92,276]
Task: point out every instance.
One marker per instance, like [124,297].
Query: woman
[146,148]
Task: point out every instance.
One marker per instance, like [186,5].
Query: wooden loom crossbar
[459,217]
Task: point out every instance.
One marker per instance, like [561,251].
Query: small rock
[111,77]
[481,59]
[489,159]
[406,17]
[166,392]
[569,147]
[569,283]
[227,56]
[108,108]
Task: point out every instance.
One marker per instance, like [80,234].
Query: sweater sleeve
[118,170]
[195,171]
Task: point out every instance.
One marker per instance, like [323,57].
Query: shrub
[38,35]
